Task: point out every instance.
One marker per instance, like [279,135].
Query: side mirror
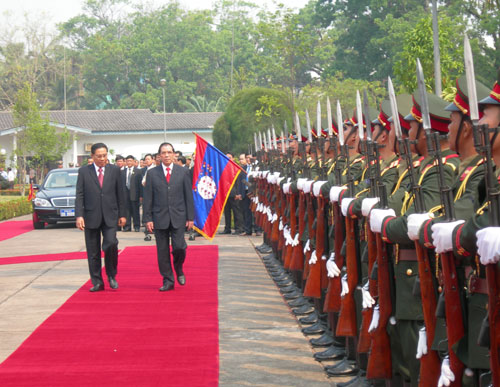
[36,187]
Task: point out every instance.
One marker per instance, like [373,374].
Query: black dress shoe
[181,279]
[325,340]
[127,229]
[315,329]
[301,301]
[343,368]
[166,288]
[311,319]
[289,289]
[112,283]
[258,234]
[97,288]
[137,229]
[358,381]
[267,251]
[292,295]
[147,238]
[224,232]
[306,309]
[331,353]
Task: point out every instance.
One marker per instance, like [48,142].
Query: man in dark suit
[168,209]
[132,179]
[100,208]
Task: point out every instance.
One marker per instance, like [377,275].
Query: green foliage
[418,43]
[37,137]
[234,130]
[201,104]
[16,207]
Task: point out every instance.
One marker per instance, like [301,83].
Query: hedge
[16,207]
[10,192]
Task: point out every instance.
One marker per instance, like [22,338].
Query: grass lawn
[6,198]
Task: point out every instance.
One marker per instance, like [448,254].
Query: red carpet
[13,228]
[134,336]
[43,258]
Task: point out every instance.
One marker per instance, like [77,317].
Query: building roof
[123,120]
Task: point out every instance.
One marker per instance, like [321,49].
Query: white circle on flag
[206,187]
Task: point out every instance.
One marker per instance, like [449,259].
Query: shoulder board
[417,163]
[358,160]
[471,169]
[394,164]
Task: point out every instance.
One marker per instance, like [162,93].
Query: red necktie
[100,177]
[167,176]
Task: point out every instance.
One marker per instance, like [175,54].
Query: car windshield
[61,180]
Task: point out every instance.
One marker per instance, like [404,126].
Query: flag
[213,178]
[31,194]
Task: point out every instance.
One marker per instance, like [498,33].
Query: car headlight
[42,202]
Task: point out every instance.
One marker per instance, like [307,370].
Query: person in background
[11,177]
[132,179]
[232,207]
[181,160]
[157,159]
[59,164]
[245,198]
[120,161]
[90,161]
[188,162]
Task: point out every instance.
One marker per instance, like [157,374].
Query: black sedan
[55,199]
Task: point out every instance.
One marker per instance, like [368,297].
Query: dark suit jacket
[135,183]
[94,203]
[172,203]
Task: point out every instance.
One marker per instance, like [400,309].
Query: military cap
[461,101]
[354,119]
[439,117]
[494,97]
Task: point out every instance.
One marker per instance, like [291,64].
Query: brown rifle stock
[454,318]
[333,300]
[298,251]
[493,278]
[275,226]
[380,360]
[313,284]
[293,230]
[347,324]
[309,225]
[430,365]
[364,341]
[283,203]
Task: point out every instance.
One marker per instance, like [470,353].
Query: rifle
[347,322]
[454,317]
[365,339]
[380,360]
[482,143]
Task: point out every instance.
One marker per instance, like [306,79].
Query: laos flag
[213,178]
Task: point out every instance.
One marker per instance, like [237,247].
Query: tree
[36,137]
[234,130]
[418,43]
[201,104]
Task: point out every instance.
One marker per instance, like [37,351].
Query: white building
[126,132]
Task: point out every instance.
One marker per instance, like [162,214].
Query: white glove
[415,221]
[345,205]
[377,216]
[422,343]
[345,286]
[307,247]
[286,188]
[313,259]
[307,186]
[300,183]
[274,218]
[335,193]
[368,300]
[286,235]
[280,179]
[295,241]
[280,227]
[442,235]
[488,246]
[331,267]
[447,375]
[367,205]
[317,187]
[270,178]
[375,319]
[324,257]
[392,320]
[277,177]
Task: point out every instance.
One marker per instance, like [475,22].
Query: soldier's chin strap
[351,132]
[459,132]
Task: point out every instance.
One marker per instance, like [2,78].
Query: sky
[55,11]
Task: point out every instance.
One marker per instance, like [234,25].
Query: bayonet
[340,123]
[318,119]
[308,124]
[285,139]
[394,109]
[298,131]
[471,81]
[282,142]
[422,89]
[359,116]
[275,141]
[329,117]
